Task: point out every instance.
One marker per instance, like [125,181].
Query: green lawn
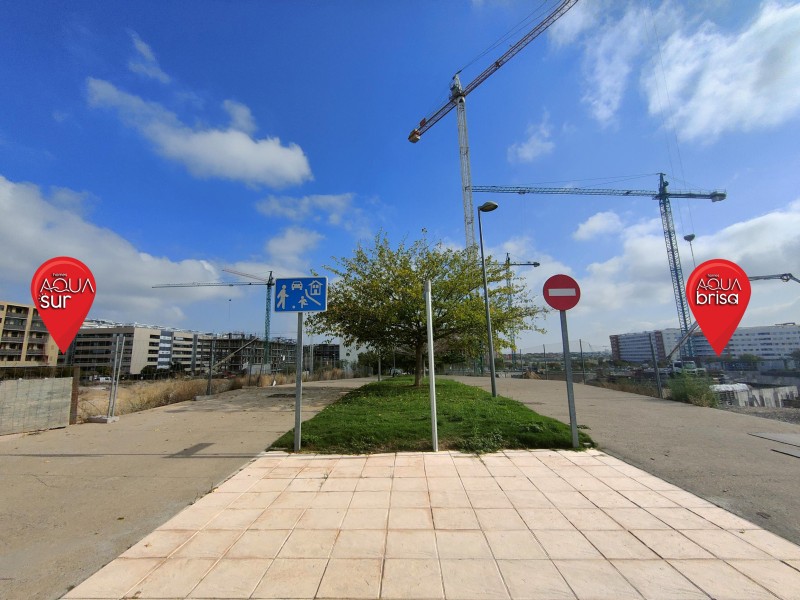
[394,416]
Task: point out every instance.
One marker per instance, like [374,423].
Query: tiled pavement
[514,524]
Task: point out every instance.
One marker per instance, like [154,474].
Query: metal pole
[655,367]
[583,364]
[488,315]
[544,354]
[431,370]
[110,412]
[298,386]
[210,365]
[573,423]
[379,365]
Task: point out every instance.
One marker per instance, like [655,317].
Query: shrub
[694,390]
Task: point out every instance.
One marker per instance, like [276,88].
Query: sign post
[300,294]
[562,293]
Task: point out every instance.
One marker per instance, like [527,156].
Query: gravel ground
[787,415]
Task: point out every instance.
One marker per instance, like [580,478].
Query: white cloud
[602,223]
[35,228]
[330,207]
[145,63]
[290,248]
[719,83]
[221,153]
[538,143]
[580,18]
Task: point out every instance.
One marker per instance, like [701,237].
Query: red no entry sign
[561,292]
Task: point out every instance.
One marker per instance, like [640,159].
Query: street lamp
[690,238]
[487,207]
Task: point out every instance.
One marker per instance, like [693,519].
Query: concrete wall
[34,404]
[769,397]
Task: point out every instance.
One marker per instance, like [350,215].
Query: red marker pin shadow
[718,292]
[63,290]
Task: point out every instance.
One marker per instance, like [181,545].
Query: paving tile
[499,518]
[265,543]
[462,544]
[174,578]
[670,544]
[455,518]
[620,482]
[314,472]
[351,578]
[409,460]
[657,580]
[528,499]
[479,483]
[566,544]
[534,473]
[409,484]
[441,484]
[370,499]
[254,500]
[192,518]
[360,543]
[410,499]
[412,578]
[450,499]
[159,544]
[278,518]
[515,483]
[544,518]
[384,472]
[590,518]
[304,485]
[720,580]
[415,472]
[270,485]
[419,543]
[619,545]
[291,578]
[568,500]
[608,499]
[232,578]
[516,545]
[681,518]
[234,518]
[115,578]
[321,518]
[724,544]
[285,472]
[648,499]
[587,484]
[216,499]
[410,518]
[770,543]
[373,485]
[332,500]
[448,471]
[685,499]
[210,543]
[722,518]
[600,470]
[782,580]
[294,500]
[488,499]
[534,580]
[655,483]
[365,518]
[472,579]
[504,471]
[635,518]
[308,543]
[596,579]
[340,484]
[237,485]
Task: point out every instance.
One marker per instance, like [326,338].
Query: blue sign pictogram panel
[301,294]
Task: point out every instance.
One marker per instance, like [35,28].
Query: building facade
[24,340]
[770,342]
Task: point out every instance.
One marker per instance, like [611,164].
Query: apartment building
[24,341]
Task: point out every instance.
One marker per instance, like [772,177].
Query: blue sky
[161,142]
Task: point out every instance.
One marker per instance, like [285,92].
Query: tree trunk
[420,365]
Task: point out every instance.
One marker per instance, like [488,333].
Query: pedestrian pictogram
[301,294]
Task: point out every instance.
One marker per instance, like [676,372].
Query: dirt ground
[786,415]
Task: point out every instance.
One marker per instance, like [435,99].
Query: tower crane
[268,281]
[663,196]
[457,100]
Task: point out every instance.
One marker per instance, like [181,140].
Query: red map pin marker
[718,292]
[63,290]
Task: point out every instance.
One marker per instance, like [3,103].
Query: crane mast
[457,100]
[663,196]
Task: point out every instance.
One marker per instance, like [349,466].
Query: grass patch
[394,416]
[694,390]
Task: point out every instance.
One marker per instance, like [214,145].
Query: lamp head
[488,206]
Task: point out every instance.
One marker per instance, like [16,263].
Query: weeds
[694,390]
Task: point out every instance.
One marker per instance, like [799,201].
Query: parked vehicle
[686,367]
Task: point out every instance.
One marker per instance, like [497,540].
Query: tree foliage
[376,299]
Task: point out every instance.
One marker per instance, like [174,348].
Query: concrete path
[514,524]
[706,451]
[73,499]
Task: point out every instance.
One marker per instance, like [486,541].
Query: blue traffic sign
[301,294]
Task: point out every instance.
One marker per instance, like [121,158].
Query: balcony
[11,352]
[10,325]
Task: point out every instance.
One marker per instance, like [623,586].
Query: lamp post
[487,207]
[690,238]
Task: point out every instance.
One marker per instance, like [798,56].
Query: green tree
[377,299]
